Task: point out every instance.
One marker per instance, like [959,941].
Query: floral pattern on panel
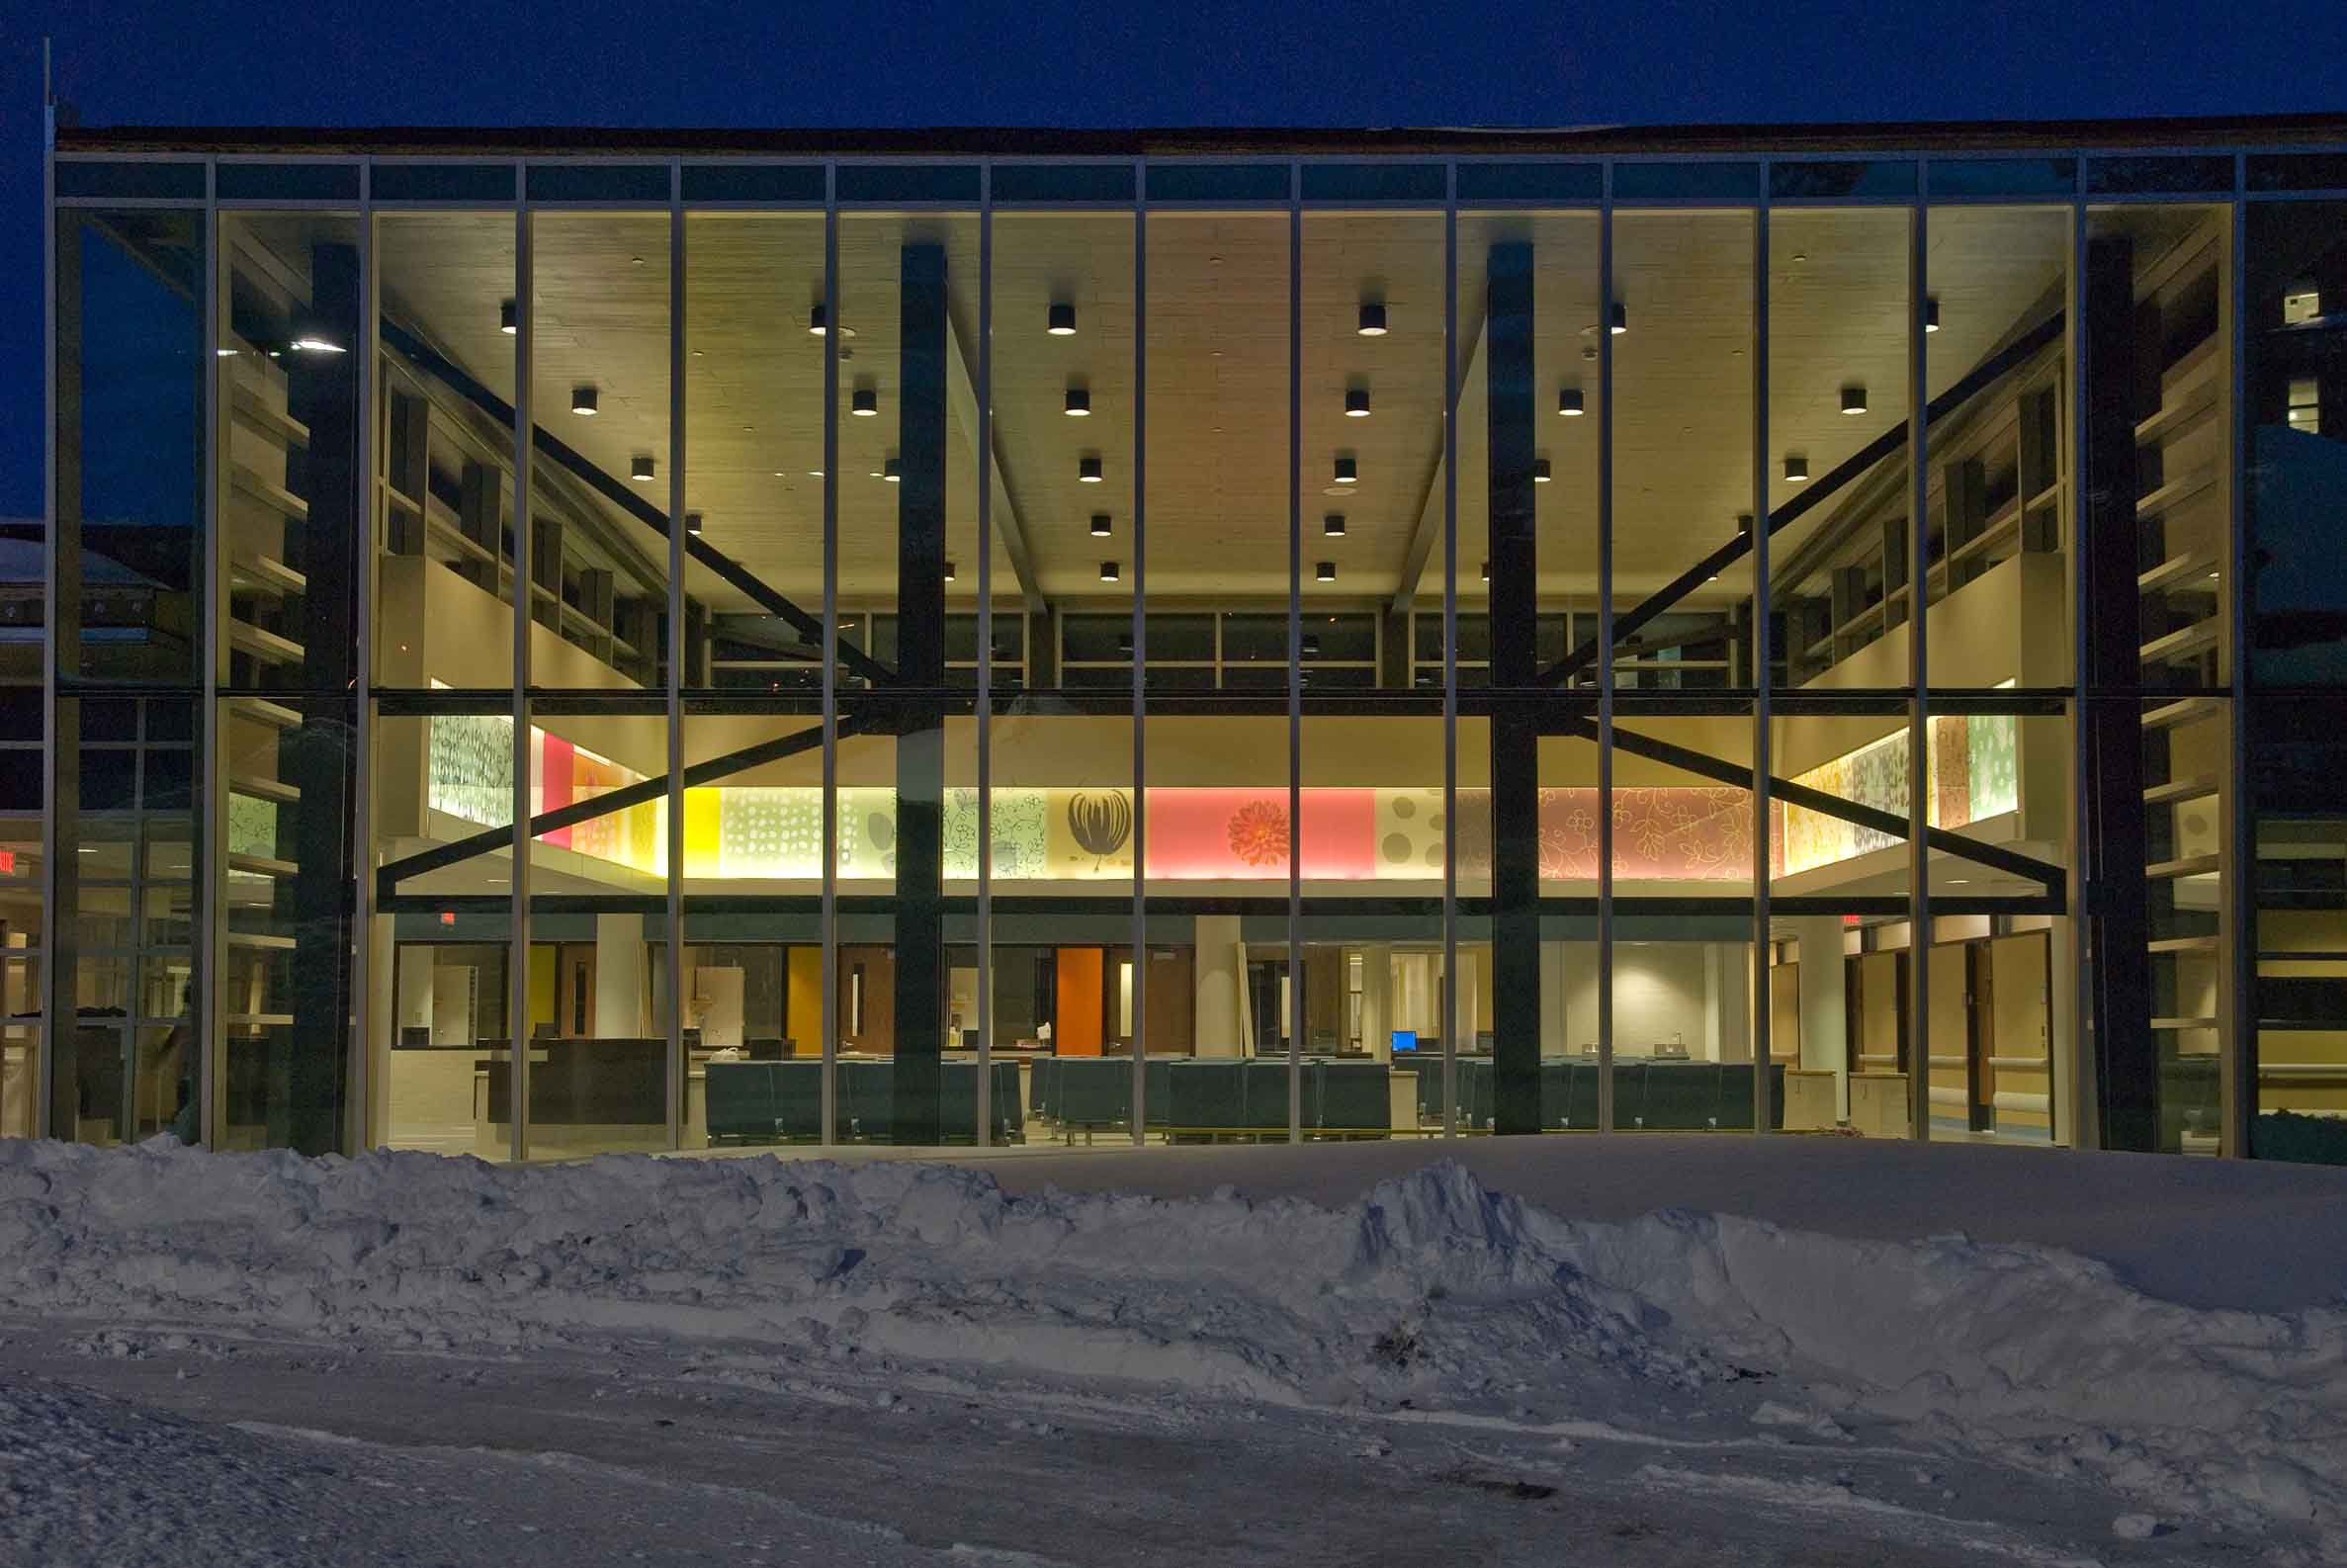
[252,826]
[1257,834]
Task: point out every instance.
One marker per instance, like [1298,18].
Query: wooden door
[1951,1052]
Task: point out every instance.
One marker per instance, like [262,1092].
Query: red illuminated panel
[555,759]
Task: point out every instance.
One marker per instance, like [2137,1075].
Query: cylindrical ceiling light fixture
[1349,471]
[1931,313]
[1100,525]
[1087,470]
[639,468]
[949,571]
[582,400]
[891,472]
[817,321]
[1796,470]
[1853,400]
[1487,571]
[1541,471]
[863,402]
[1333,525]
[1372,318]
[1107,571]
[1325,572]
[1568,402]
[1062,321]
[1620,322]
[1357,403]
[509,318]
[1080,402]
[692,524]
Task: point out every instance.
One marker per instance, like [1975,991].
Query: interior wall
[1075,1020]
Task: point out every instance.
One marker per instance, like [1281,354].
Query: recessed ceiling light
[1931,313]
[1062,319]
[1372,318]
[1357,403]
[1107,571]
[1568,402]
[1080,402]
[1796,471]
[509,318]
[1087,470]
[582,400]
[1347,472]
[1100,525]
[1620,321]
[1853,400]
[639,468]
[1325,572]
[1541,471]
[864,403]
[1333,525]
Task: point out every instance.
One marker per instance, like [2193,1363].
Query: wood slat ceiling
[1217,376]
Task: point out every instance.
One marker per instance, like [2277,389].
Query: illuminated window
[2305,405]
[2301,302]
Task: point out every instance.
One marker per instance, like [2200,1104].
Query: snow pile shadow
[1428,1290]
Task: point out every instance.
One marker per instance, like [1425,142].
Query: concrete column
[1377,990]
[1825,1022]
[1221,1030]
[620,961]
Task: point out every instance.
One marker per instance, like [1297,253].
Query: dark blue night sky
[1049,64]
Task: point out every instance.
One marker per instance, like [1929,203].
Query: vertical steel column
[2238,930]
[1510,546]
[986,654]
[1919,767]
[1450,639]
[1139,836]
[829,902]
[517,952]
[678,1075]
[2085,1122]
[1297,991]
[1606,671]
[53,759]
[208,833]
[1763,612]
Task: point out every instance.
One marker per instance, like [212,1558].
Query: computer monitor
[1405,1041]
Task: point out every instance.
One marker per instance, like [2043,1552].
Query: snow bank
[1429,1291]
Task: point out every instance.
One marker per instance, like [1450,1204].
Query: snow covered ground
[1362,1355]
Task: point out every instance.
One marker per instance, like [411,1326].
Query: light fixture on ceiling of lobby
[1087,470]
[1107,571]
[949,571]
[1325,572]
[864,403]
[817,322]
[509,317]
[1743,524]
[313,343]
[1100,525]
[1357,403]
[1620,322]
[1062,321]
[1080,402]
[1568,402]
[1853,400]
[639,468]
[1540,470]
[1796,470]
[1931,313]
[582,400]
[1333,525]
[1312,647]
[1372,318]
[692,524]
[891,472]
[1347,472]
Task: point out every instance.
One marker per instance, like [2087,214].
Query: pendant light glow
[1347,472]
[1357,403]
[1080,402]
[1087,470]
[1540,470]
[1325,572]
[1102,526]
[1333,525]
[1796,471]
[1107,571]
[1062,321]
[1621,320]
[639,468]
[509,318]
[864,403]
[1568,402]
[1372,318]
[582,402]
[1853,400]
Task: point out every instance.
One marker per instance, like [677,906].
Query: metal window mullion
[986,654]
[673,689]
[1140,1096]
[2084,1125]
[1763,609]
[1450,636]
[830,898]
[1296,989]
[360,1118]
[1919,1065]
[2237,926]
[56,984]
[211,825]
[517,960]
[1606,669]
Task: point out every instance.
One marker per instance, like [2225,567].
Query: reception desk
[586,1097]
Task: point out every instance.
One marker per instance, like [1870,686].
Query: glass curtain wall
[624,460]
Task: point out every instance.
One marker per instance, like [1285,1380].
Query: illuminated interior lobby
[582,641]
